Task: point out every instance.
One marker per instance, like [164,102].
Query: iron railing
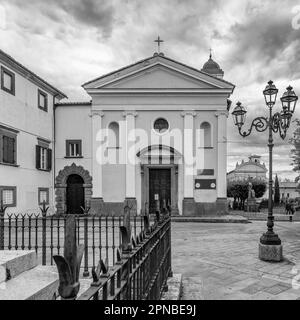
[45,234]
[140,273]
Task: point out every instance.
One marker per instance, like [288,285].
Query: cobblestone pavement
[220,261]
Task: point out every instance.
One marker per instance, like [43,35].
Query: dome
[213,68]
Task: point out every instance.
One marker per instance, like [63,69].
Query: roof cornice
[11,63]
[160,91]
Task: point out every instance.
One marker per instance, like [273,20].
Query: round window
[161,125]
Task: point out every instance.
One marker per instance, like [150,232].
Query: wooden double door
[159,187]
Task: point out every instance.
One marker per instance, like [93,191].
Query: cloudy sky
[69,42]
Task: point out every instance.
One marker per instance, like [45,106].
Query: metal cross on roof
[158,40]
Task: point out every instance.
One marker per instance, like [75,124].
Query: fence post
[2,213]
[126,249]
[127,223]
[68,266]
[170,247]
[86,210]
[101,273]
[44,210]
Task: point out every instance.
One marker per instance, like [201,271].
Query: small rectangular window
[8,196]
[7,81]
[43,158]
[42,100]
[43,196]
[73,148]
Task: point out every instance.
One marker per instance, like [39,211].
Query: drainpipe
[53,152]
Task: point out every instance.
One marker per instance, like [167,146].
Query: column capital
[130,113]
[222,113]
[96,113]
[188,113]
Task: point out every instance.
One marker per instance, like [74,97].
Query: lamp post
[270,247]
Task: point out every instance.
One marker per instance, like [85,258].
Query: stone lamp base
[270,252]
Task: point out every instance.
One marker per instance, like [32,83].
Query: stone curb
[212,219]
[174,288]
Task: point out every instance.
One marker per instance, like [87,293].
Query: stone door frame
[61,186]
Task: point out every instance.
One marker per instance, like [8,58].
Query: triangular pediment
[159,77]
[158,72]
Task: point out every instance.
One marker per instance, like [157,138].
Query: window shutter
[67,148]
[11,143]
[46,103]
[49,159]
[38,157]
[80,148]
[4,148]
[14,151]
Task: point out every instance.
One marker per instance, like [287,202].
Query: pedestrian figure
[292,207]
[288,207]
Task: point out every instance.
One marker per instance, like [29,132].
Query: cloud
[95,14]
[70,42]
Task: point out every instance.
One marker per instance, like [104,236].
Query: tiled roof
[76,103]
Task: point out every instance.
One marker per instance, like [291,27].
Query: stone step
[263,216]
[39,283]
[15,262]
[211,219]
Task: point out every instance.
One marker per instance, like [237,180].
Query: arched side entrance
[72,180]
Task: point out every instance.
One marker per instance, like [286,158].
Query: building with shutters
[26,137]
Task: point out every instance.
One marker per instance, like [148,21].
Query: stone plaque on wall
[205,184]
[205,172]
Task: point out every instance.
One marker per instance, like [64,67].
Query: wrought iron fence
[141,270]
[45,234]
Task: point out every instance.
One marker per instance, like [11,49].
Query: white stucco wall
[73,123]
[114,180]
[21,112]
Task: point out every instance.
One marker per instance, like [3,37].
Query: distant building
[253,168]
[288,189]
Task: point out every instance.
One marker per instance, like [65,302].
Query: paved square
[220,261]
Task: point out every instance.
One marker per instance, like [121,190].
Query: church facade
[154,130]
[251,169]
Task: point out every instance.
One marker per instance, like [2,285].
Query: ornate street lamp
[239,115]
[270,247]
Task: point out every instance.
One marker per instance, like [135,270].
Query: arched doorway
[62,184]
[75,194]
